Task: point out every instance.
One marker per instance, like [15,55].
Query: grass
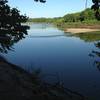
[93,25]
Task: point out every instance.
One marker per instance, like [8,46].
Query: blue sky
[52,8]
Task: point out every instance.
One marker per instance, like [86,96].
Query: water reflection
[92,37]
[96,54]
[88,37]
[46,36]
[8,38]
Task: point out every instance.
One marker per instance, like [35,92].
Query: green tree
[11,28]
[87,14]
[96,7]
[10,19]
[72,17]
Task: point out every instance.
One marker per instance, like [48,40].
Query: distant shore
[80,30]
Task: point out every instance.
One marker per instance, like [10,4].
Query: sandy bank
[80,30]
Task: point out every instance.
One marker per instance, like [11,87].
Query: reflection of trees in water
[88,37]
[92,37]
[46,36]
[96,53]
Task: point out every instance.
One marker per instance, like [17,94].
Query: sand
[80,30]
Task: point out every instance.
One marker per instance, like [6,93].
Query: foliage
[11,28]
[72,17]
[85,15]
[96,7]
[80,19]
[40,20]
[10,20]
[46,20]
[43,1]
[88,14]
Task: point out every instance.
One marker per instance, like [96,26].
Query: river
[60,57]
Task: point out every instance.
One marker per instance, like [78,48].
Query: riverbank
[80,30]
[18,84]
[79,27]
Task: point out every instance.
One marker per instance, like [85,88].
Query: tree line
[95,7]
[86,15]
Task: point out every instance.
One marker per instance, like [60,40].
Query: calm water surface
[59,55]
